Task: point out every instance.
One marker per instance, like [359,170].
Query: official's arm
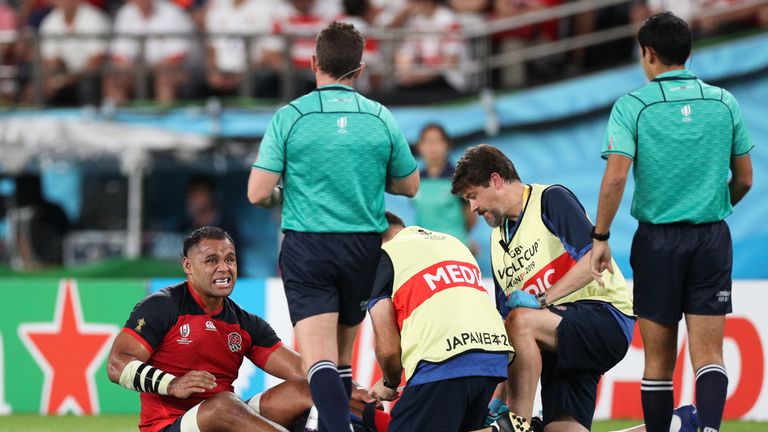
[263,190]
[741,178]
[407,186]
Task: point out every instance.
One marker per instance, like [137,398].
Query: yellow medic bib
[442,308]
[534,259]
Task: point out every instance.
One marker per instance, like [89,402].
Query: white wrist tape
[142,377]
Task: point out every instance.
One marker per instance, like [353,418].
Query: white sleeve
[98,24]
[49,49]
[177,21]
[123,47]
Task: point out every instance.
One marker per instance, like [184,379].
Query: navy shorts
[589,342]
[325,273]
[458,404]
[681,268]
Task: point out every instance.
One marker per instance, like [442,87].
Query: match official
[682,135]
[564,326]
[336,152]
[433,318]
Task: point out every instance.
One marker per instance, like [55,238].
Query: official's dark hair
[440,129]
[339,49]
[668,35]
[393,219]
[477,165]
[203,233]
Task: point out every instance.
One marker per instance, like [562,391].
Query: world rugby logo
[184,330]
[235,341]
[686,111]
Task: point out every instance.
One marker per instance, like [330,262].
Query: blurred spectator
[725,16]
[8,34]
[304,22]
[203,209]
[471,12]
[515,75]
[226,56]
[388,10]
[32,12]
[163,56]
[362,15]
[37,227]
[436,208]
[71,66]
[328,9]
[443,49]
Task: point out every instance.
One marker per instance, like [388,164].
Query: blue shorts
[589,342]
[325,273]
[458,404]
[681,268]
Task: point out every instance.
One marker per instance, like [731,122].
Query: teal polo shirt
[681,134]
[334,149]
[437,208]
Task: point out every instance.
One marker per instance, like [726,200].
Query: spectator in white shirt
[444,49]
[302,21]
[72,65]
[226,56]
[164,56]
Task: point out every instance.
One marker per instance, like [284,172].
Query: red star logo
[69,351]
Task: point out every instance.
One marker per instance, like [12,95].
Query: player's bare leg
[660,348]
[705,338]
[225,412]
[317,337]
[564,423]
[284,403]
[529,331]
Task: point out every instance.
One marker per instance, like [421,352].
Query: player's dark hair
[476,166]
[203,233]
[339,49]
[393,219]
[440,129]
[668,35]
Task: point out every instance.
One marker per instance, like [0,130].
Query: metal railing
[478,64]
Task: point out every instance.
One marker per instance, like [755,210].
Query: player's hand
[600,261]
[522,299]
[359,393]
[382,393]
[191,382]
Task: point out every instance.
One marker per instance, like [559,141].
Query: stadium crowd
[267,38]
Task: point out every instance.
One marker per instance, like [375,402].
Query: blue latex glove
[496,409]
[522,299]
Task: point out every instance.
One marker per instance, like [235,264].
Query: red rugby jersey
[181,336]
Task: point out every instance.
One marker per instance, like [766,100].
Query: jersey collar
[674,74]
[340,87]
[200,302]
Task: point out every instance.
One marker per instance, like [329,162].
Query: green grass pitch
[127,423]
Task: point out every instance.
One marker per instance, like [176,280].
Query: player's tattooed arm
[127,366]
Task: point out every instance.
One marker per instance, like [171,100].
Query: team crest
[184,330]
[235,341]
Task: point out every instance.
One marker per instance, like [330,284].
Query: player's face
[211,268]
[485,201]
